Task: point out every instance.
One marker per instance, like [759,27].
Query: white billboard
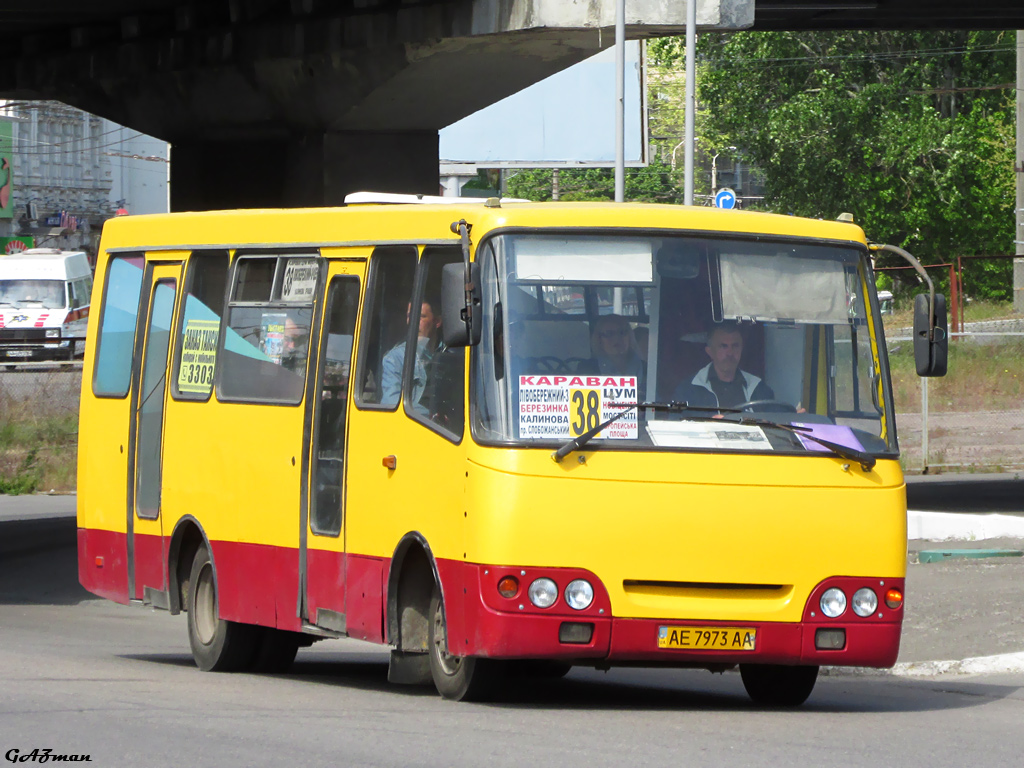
[565,120]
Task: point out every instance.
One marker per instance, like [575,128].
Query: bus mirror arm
[461,324]
[931,340]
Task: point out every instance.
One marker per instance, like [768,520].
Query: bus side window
[385,326]
[199,330]
[265,346]
[116,339]
[442,369]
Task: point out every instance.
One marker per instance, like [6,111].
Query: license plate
[708,638]
[19,353]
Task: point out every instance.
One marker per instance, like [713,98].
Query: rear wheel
[460,678]
[777,685]
[217,645]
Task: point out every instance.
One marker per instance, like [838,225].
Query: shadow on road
[966,493]
[39,563]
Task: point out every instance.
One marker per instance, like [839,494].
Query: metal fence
[973,418]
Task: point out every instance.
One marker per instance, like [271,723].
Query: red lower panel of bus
[103,563]
[506,635]
[525,631]
[257,584]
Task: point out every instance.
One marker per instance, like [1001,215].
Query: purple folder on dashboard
[834,433]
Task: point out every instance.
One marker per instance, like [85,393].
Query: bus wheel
[460,678]
[777,685]
[217,645]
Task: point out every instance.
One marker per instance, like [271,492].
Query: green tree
[910,132]
[650,184]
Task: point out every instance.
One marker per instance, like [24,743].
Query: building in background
[65,172]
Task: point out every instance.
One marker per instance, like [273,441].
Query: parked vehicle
[44,303]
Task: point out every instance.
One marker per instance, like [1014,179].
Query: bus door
[146,567]
[322,532]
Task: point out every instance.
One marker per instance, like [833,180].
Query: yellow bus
[500,438]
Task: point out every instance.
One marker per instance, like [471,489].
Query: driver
[721,383]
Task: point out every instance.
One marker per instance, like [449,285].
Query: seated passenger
[427,346]
[615,350]
[721,383]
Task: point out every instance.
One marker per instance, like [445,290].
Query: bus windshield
[38,293]
[580,327]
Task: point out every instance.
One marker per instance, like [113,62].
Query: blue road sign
[725,198]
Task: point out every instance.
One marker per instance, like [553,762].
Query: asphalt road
[86,676]
[80,675]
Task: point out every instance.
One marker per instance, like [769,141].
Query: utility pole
[1018,167]
[691,100]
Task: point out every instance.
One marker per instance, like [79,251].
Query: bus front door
[322,532]
[146,566]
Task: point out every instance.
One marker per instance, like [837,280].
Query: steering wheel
[758,405]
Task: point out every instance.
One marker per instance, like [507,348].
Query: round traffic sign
[725,198]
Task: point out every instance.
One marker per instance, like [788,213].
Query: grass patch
[38,431]
[981,377]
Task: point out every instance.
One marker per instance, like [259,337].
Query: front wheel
[459,678]
[217,645]
[778,685]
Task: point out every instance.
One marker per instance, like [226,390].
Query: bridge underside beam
[307,170]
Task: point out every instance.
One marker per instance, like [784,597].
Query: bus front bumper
[636,641]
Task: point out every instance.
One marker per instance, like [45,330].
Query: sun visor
[771,287]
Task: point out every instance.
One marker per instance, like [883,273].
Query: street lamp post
[714,171]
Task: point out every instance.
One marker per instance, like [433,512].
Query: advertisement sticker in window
[561,407]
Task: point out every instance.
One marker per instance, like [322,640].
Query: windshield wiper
[866,460]
[673,407]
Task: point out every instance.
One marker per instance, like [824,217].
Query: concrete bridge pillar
[307,170]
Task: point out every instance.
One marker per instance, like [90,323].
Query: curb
[1003,663]
[938,555]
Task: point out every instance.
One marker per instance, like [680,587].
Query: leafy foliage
[651,184]
[913,133]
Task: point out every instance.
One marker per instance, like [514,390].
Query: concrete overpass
[297,102]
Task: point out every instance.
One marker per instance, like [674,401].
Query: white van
[44,303]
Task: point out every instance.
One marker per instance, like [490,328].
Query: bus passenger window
[435,385]
[116,340]
[385,326]
[266,341]
[199,330]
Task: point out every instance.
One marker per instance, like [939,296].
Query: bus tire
[217,645]
[778,685]
[276,651]
[459,678]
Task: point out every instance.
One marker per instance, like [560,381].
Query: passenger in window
[614,348]
[721,383]
[427,346]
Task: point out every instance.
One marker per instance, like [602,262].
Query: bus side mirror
[931,341]
[460,322]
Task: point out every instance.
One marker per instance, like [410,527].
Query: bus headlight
[833,602]
[865,602]
[579,594]
[543,593]
[53,333]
